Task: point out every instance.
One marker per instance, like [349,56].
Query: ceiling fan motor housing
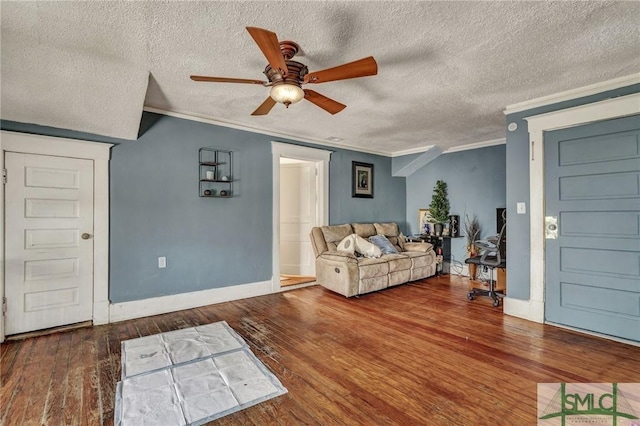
[296,74]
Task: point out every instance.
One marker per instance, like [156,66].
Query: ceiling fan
[286,76]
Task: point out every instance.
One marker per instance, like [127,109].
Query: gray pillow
[384,244]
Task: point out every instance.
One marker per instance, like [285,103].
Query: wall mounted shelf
[215,171]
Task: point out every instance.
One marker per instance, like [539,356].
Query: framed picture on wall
[362,180]
[425,222]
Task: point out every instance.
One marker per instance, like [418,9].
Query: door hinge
[4,305]
[4,176]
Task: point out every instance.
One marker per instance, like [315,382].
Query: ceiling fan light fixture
[286,93]
[286,76]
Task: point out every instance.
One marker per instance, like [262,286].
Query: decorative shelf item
[215,171]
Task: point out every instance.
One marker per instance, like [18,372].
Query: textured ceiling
[446,69]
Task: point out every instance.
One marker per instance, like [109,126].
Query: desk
[500,285]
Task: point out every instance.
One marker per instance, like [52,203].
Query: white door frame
[533,309]
[98,152]
[319,156]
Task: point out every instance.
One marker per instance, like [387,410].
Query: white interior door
[298,214]
[48,241]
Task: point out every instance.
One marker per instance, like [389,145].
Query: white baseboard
[536,311]
[177,302]
[516,307]
[101,312]
[531,310]
[593,333]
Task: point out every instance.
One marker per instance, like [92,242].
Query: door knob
[86,236]
[551,227]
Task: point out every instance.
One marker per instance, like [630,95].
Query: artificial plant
[472,231]
[439,207]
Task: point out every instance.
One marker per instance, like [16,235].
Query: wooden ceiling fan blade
[267,41]
[360,68]
[265,107]
[227,80]
[327,104]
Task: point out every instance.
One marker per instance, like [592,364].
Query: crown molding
[321,142]
[581,92]
[476,145]
[239,126]
[418,150]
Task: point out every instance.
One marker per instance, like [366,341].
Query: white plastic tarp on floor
[189,377]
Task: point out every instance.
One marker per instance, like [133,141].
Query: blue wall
[475,183]
[389,197]
[518,238]
[209,243]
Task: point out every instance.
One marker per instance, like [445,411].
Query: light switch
[162,262]
[521,208]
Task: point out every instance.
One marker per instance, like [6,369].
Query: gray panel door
[592,185]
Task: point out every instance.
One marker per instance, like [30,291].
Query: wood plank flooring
[289,280]
[416,354]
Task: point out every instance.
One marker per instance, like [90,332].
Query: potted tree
[472,232]
[439,207]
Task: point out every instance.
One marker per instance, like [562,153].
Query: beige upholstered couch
[350,275]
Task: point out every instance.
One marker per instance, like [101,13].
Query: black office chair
[492,255]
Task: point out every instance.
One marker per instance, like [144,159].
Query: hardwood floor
[416,354]
[289,280]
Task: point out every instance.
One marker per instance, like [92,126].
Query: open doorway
[298,214]
[301,193]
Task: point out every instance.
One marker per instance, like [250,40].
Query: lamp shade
[286,93]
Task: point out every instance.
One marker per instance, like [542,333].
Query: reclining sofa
[350,274]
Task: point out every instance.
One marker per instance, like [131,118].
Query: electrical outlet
[162,262]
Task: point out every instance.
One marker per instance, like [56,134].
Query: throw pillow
[366,248]
[384,244]
[348,244]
